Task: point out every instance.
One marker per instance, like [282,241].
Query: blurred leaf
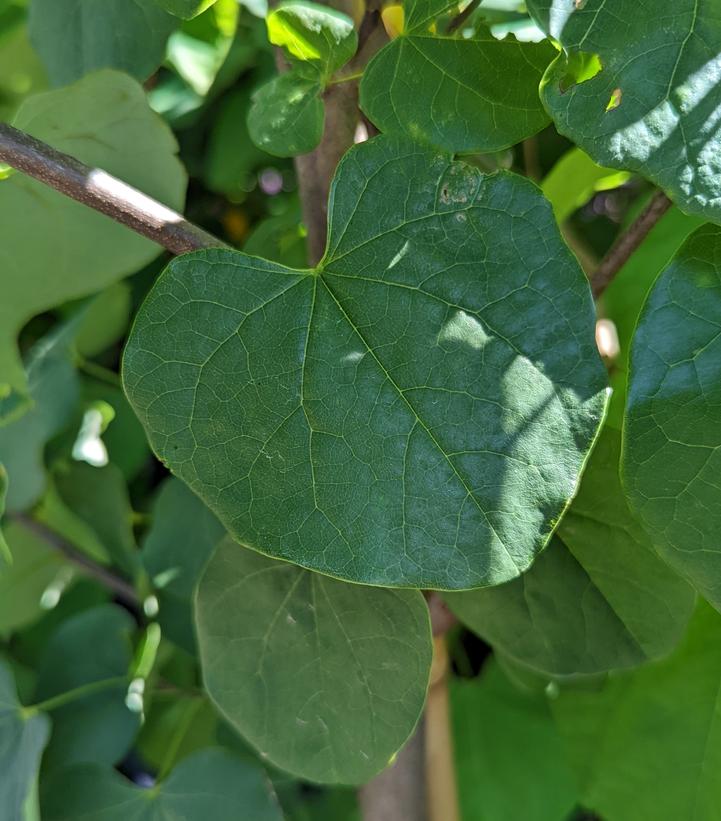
[185,8]
[75,37]
[105,320]
[35,568]
[644,746]
[5,553]
[181,538]
[597,598]
[210,784]
[21,72]
[573,180]
[509,757]
[22,739]
[326,679]
[57,249]
[462,95]
[93,645]
[281,239]
[286,116]
[672,434]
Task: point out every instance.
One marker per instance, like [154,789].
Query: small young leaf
[648,103]
[476,94]
[183,535]
[286,117]
[91,646]
[414,412]
[314,35]
[61,249]
[22,740]
[210,785]
[672,434]
[326,679]
[498,730]
[598,598]
[75,37]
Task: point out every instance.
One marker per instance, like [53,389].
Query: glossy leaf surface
[423,419]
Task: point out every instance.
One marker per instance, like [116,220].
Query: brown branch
[124,591]
[628,242]
[102,192]
[461,18]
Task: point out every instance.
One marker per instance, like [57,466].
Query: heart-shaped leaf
[672,433]
[415,411]
[637,88]
[326,679]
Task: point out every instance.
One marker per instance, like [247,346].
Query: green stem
[72,695]
[346,79]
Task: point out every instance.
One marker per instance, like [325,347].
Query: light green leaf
[22,739]
[105,320]
[209,785]
[183,535]
[325,679]
[598,598]
[55,249]
[672,431]
[185,8]
[573,180]
[93,645]
[498,733]
[317,36]
[280,238]
[35,568]
[75,37]
[402,415]
[287,116]
[646,745]
[53,388]
[475,94]
[5,552]
[647,99]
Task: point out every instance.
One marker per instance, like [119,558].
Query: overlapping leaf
[637,88]
[327,680]
[457,93]
[414,412]
[55,249]
[672,454]
[75,37]
[598,598]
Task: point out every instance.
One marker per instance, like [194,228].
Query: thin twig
[461,18]
[122,589]
[102,192]
[628,242]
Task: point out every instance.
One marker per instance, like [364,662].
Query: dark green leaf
[286,117]
[475,94]
[22,739]
[598,598]
[75,37]
[57,249]
[672,429]
[638,89]
[326,679]
[415,411]
[508,754]
[182,537]
[93,645]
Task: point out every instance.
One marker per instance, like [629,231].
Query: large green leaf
[413,412]
[55,249]
[509,757]
[93,645]
[460,94]
[185,8]
[325,679]
[182,537]
[22,739]
[672,434]
[645,746]
[598,598]
[207,786]
[75,37]
[637,88]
